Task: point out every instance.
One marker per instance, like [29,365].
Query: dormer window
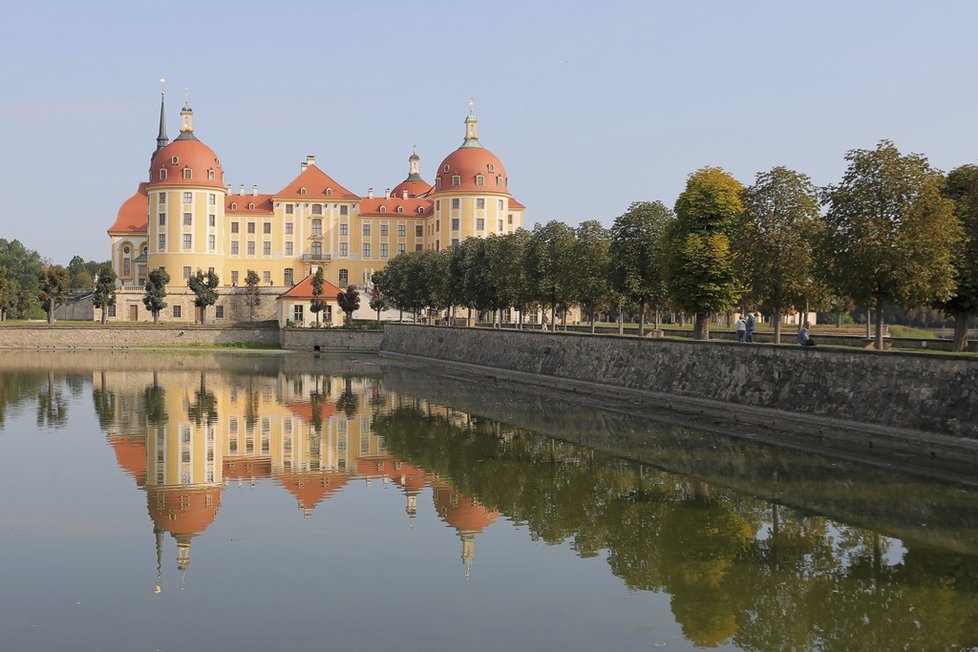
[437,182]
[162,174]
[400,209]
[447,168]
[456,181]
[302,190]
[420,210]
[329,192]
[187,173]
[383,209]
[499,181]
[210,175]
[174,160]
[234,206]
[480,180]
[491,167]
[251,206]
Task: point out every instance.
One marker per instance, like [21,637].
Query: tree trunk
[777,325]
[869,322]
[879,326]
[203,315]
[469,319]
[156,316]
[656,319]
[641,318]
[51,313]
[960,333]
[838,319]
[621,319]
[592,322]
[104,311]
[701,327]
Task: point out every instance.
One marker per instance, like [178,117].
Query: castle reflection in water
[184,437]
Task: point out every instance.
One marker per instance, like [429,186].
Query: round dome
[183,511]
[462,513]
[468,163]
[170,165]
[414,187]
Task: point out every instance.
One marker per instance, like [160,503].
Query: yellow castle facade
[183,218]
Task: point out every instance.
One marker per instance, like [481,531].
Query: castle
[183,218]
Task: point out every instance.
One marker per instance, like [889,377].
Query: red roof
[317,183]
[305,410]
[130,454]
[247,467]
[183,511]
[311,487]
[462,513]
[409,207]
[133,213]
[466,163]
[182,154]
[262,204]
[302,291]
[515,204]
[414,187]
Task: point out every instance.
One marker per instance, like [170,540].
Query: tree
[549,265]
[252,293]
[154,297]
[890,235]
[700,268]
[637,255]
[592,263]
[776,240]
[105,290]
[53,287]
[7,294]
[204,287]
[377,301]
[317,305]
[962,189]
[348,301]
[23,265]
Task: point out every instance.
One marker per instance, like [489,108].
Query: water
[265,502]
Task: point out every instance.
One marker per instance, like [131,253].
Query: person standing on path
[749,330]
[741,329]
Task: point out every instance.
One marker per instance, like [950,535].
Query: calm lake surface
[192,501]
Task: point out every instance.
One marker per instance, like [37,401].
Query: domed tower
[186,205]
[470,193]
[466,515]
[414,185]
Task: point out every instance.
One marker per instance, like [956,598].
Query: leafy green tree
[592,263]
[349,301]
[962,189]
[154,296]
[53,287]
[204,287]
[890,235]
[252,293]
[510,254]
[317,305]
[776,240]
[7,294]
[105,290]
[23,265]
[377,302]
[700,268]
[550,266]
[26,303]
[637,256]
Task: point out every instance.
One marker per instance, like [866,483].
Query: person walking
[749,330]
[741,329]
[804,336]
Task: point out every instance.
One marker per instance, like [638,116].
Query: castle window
[344,277]
[480,224]
[383,250]
[344,229]
[499,205]
[162,219]
[218,314]
[188,241]
[288,228]
[343,249]
[509,218]
[188,173]
[418,231]
[302,190]
[266,248]
[234,281]
[212,220]
[480,180]
[316,249]
[288,248]
[234,227]
[162,197]
[400,209]
[288,276]
[480,204]
[420,210]
[437,204]
[188,219]
[234,247]
[266,276]
[174,160]
[344,209]
[437,182]
[211,199]
[251,206]
[188,197]
[317,227]
[162,174]
[401,230]
[329,192]
[251,247]
[400,248]
[211,243]
[266,228]
[176,312]
[491,167]
[455,224]
[317,209]
[186,271]
[384,230]
[234,206]
[251,227]
[210,175]
[161,243]
[456,181]
[288,209]
[366,227]
[383,209]
[456,203]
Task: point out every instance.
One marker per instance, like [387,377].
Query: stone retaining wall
[329,339]
[930,393]
[108,337]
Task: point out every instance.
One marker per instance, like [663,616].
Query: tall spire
[471,127]
[161,139]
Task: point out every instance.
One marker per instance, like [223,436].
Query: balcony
[317,257]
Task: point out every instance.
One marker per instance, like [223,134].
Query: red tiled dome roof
[130,455]
[132,215]
[185,153]
[463,514]
[184,511]
[414,187]
[467,163]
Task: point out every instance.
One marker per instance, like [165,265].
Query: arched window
[302,190]
[126,260]
[344,277]
[234,206]
[251,206]
[188,173]
[329,192]
[480,180]
[288,277]
[383,209]
[210,175]
[317,227]
[400,209]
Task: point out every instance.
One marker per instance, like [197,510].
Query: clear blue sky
[590,105]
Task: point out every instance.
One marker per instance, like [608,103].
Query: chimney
[370,193]
[302,166]
[254,190]
[311,160]
[404,194]
[241,190]
[387,194]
